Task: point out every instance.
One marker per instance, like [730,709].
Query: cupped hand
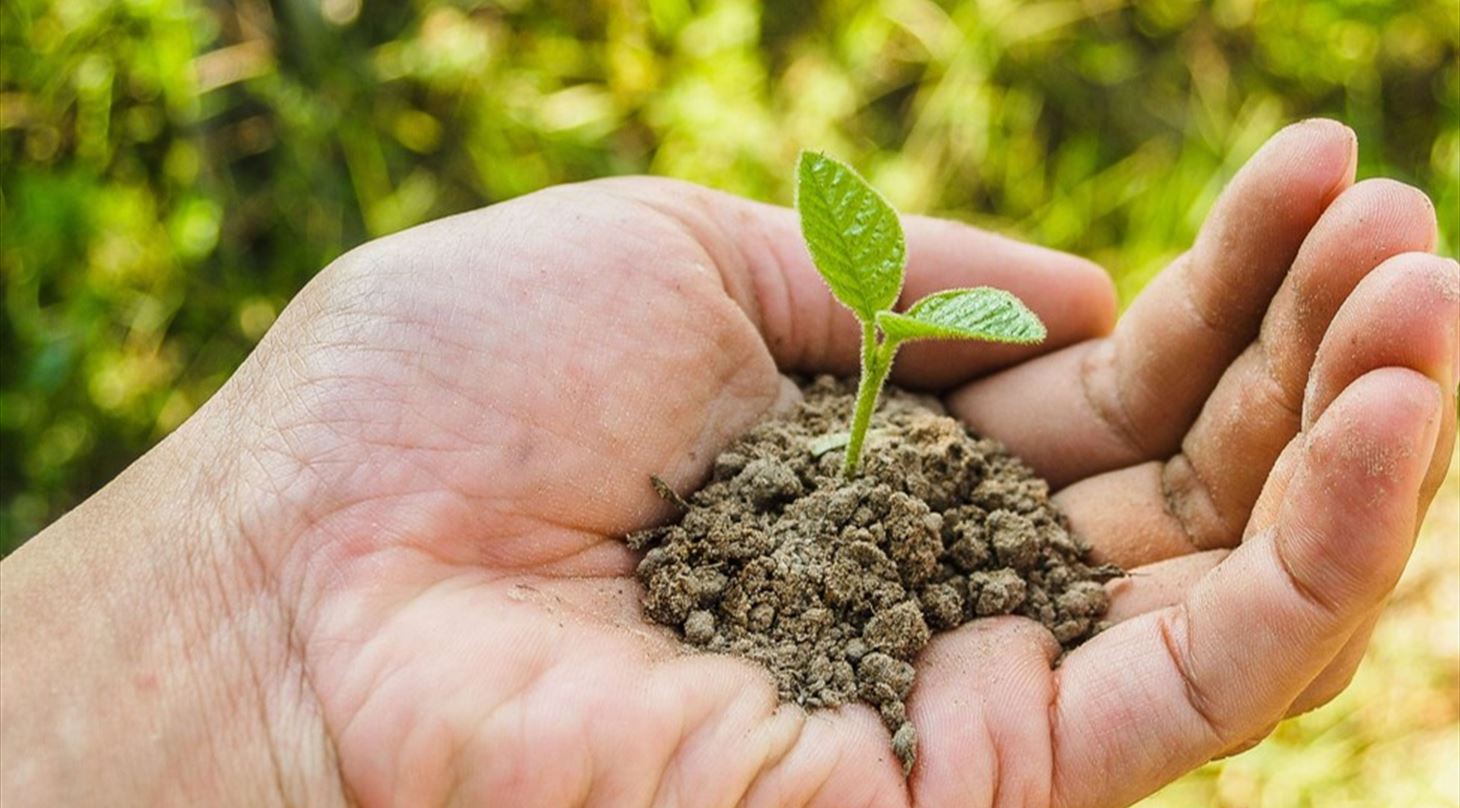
[447,434]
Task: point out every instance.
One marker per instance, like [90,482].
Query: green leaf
[983,313]
[854,236]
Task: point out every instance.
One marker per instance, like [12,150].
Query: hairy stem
[876,362]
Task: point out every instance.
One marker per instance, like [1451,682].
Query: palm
[483,400]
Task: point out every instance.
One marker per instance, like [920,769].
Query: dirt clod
[836,585]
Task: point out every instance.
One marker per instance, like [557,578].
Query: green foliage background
[174,171]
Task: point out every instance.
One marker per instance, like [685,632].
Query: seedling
[857,245]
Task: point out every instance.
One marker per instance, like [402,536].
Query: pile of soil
[835,585]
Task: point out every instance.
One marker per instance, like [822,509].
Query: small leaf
[854,236]
[825,443]
[982,313]
[836,440]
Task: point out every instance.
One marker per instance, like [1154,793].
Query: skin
[382,565]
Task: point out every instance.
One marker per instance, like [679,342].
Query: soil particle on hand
[836,585]
[900,631]
[699,627]
[998,592]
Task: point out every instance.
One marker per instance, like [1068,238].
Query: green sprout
[856,243]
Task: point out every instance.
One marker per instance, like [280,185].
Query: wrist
[148,655]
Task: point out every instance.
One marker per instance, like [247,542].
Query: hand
[428,464]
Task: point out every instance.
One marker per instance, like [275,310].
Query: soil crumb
[835,585]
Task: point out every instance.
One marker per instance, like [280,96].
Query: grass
[172,171]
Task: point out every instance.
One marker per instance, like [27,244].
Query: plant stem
[876,362]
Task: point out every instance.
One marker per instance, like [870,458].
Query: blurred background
[173,172]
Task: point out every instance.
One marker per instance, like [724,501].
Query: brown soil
[835,585]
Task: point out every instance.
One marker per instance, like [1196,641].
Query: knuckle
[1100,385]
[1174,628]
[1191,501]
[1247,743]
[1325,693]
[1300,581]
